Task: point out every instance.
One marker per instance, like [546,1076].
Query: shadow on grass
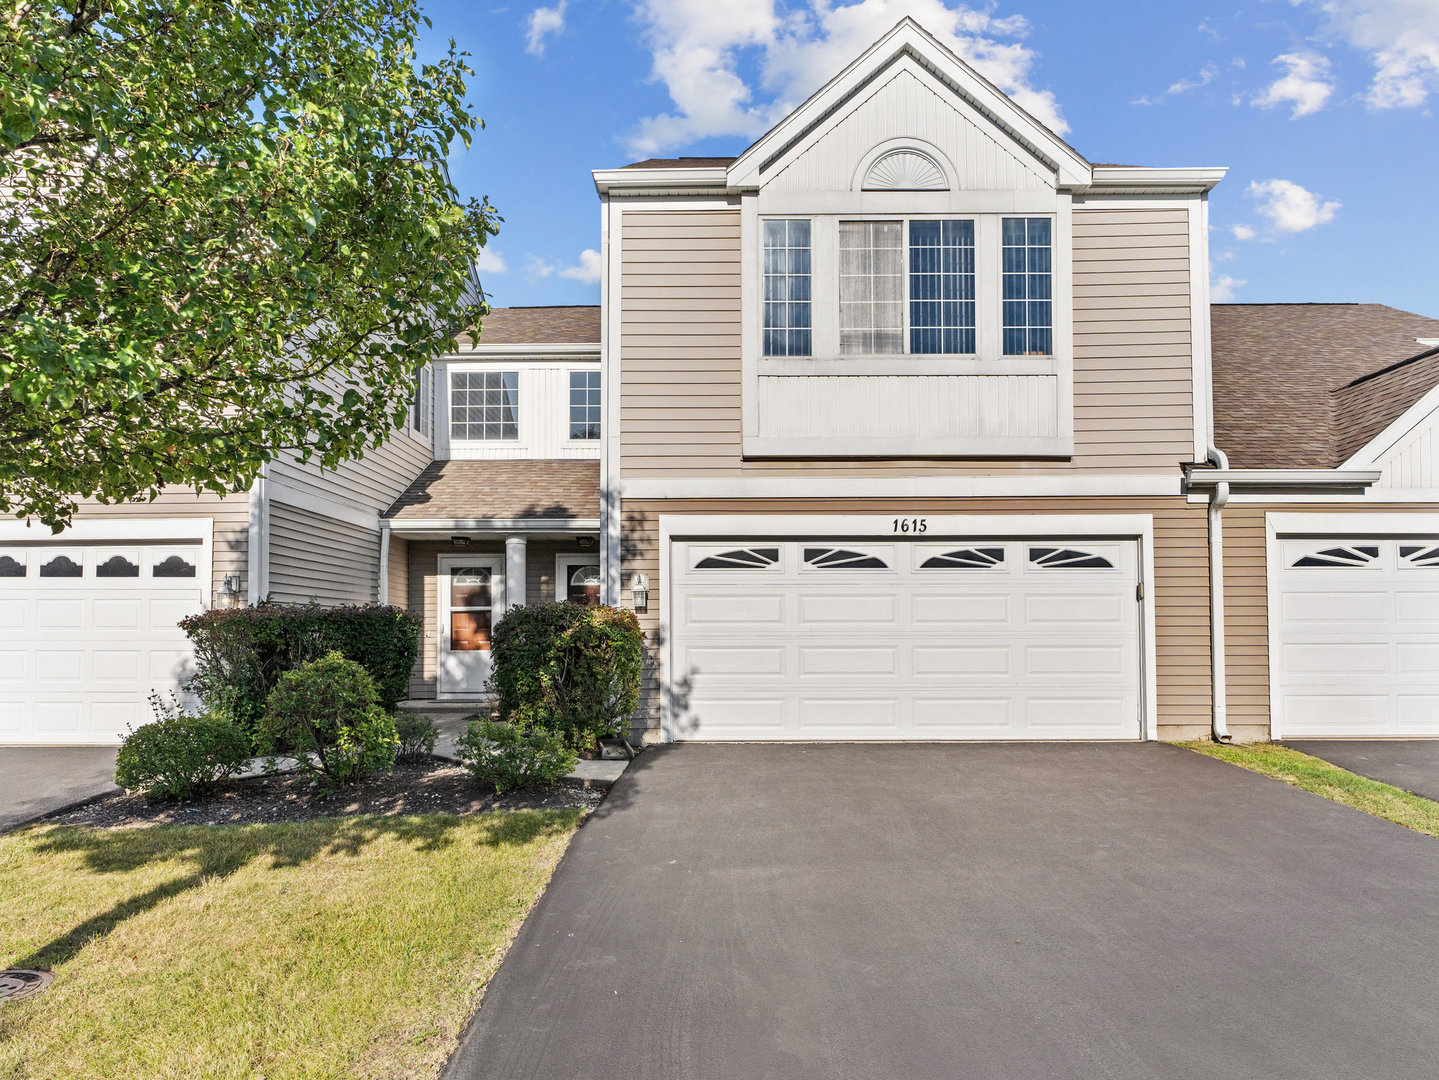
[211,853]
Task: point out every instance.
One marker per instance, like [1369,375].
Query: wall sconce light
[640,591]
[228,595]
[585,542]
[460,541]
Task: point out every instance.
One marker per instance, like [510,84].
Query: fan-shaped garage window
[117,566]
[61,566]
[174,566]
[11,566]
[842,559]
[1051,558]
[1419,555]
[740,559]
[965,559]
[1360,555]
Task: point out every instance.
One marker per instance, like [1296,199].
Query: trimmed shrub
[326,714]
[508,757]
[568,668]
[178,756]
[417,736]
[241,653]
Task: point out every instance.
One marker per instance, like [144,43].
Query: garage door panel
[1021,648]
[14,614]
[127,613]
[60,614]
[1357,649]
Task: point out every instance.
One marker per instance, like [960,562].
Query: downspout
[1220,721]
[382,590]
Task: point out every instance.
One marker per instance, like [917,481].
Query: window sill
[911,364]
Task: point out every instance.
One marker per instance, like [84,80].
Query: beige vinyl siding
[321,559]
[397,584]
[230,514]
[1180,591]
[1246,604]
[423,600]
[373,482]
[680,333]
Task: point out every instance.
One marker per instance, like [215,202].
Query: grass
[344,947]
[1319,776]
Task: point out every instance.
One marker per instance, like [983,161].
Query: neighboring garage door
[1356,638]
[88,631]
[852,639]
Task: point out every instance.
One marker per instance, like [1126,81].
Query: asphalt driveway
[1004,911]
[35,780]
[1411,764]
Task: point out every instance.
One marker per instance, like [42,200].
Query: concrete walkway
[997,912]
[1411,764]
[35,780]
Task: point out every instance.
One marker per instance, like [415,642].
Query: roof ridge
[1395,366]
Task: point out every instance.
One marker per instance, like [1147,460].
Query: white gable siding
[1414,461]
[903,105]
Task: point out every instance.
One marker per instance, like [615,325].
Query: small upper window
[61,566]
[585,404]
[117,566]
[11,566]
[1419,555]
[1028,288]
[740,559]
[174,566]
[1050,558]
[1362,555]
[484,405]
[422,409]
[984,558]
[841,559]
[786,288]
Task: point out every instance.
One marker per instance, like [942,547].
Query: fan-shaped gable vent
[905,170]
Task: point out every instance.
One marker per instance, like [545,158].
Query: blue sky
[1322,109]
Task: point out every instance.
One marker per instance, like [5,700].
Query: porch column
[514,572]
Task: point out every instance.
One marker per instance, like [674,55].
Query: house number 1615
[911,525]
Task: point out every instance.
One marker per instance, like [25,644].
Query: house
[908,422]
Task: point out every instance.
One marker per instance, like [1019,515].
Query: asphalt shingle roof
[543,489]
[569,325]
[1303,386]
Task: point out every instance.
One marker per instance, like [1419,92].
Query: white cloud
[490,262]
[1289,207]
[1305,84]
[1243,232]
[1402,40]
[542,23]
[699,47]
[589,271]
[1222,288]
[536,267]
[1207,75]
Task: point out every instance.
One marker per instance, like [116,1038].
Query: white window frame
[565,564]
[485,369]
[421,422]
[569,375]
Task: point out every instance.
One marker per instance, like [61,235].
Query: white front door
[88,630]
[1356,637]
[471,598]
[831,638]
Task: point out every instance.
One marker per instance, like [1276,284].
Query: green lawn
[1319,776]
[345,947]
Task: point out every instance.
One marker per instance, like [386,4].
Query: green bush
[508,757]
[241,653]
[177,756]
[417,736]
[326,714]
[568,668]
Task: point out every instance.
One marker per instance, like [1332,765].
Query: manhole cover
[17,983]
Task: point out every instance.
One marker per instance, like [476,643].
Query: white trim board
[1139,527]
[1057,485]
[299,499]
[431,527]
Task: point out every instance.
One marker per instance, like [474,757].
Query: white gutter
[1281,478]
[1219,724]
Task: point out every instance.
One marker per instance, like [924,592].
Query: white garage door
[851,639]
[1356,638]
[87,631]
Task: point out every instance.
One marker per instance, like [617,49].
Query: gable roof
[681,163]
[574,324]
[1305,386]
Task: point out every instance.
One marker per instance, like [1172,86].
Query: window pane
[469,631]
[786,288]
[941,287]
[584,404]
[1028,287]
[871,287]
[484,405]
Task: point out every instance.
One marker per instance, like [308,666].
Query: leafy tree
[226,233]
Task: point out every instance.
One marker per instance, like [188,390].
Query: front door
[471,600]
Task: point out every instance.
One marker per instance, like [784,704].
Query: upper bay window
[971,287]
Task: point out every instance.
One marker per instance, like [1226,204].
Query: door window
[471,607]
[583,585]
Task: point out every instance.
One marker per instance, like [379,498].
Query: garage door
[1356,638]
[87,631]
[851,639]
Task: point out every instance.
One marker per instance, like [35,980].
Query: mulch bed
[430,787]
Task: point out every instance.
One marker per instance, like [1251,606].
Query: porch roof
[543,491]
